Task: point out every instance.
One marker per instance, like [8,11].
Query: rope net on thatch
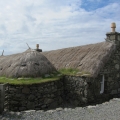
[30,63]
[89,58]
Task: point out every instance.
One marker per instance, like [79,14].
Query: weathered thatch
[89,58]
[30,63]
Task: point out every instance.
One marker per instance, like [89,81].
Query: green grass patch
[74,72]
[27,81]
[69,71]
[44,78]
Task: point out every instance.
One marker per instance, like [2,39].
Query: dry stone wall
[73,90]
[70,90]
[78,90]
[111,70]
[37,96]
[111,73]
[81,91]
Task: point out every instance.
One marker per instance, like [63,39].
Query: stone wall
[70,90]
[111,70]
[80,90]
[111,73]
[36,96]
[73,90]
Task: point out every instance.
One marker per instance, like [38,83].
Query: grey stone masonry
[113,37]
[36,96]
[111,70]
[78,90]
[73,90]
[2,97]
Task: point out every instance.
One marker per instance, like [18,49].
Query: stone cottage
[100,61]
[100,79]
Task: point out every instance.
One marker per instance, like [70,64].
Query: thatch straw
[89,58]
[30,63]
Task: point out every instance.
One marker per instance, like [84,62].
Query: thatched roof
[30,63]
[89,58]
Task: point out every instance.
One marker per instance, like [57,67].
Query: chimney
[113,36]
[113,26]
[37,48]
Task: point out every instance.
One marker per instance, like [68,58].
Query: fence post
[2,97]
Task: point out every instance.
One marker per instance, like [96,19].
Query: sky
[55,24]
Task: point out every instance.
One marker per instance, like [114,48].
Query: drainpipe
[102,85]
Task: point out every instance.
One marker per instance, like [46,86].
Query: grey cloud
[62,28]
[30,18]
[3,28]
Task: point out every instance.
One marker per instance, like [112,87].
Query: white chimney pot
[113,26]
[37,46]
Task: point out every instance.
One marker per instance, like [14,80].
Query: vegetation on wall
[26,81]
[69,71]
[45,78]
[74,72]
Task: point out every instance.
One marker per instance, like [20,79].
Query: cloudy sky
[55,24]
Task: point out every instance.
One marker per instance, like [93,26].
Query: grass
[26,81]
[75,72]
[51,77]
[69,71]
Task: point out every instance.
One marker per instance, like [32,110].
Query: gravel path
[106,111]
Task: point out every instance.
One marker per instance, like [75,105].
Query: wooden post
[2,97]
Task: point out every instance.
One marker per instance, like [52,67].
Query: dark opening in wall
[1,68]
[23,64]
[36,64]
